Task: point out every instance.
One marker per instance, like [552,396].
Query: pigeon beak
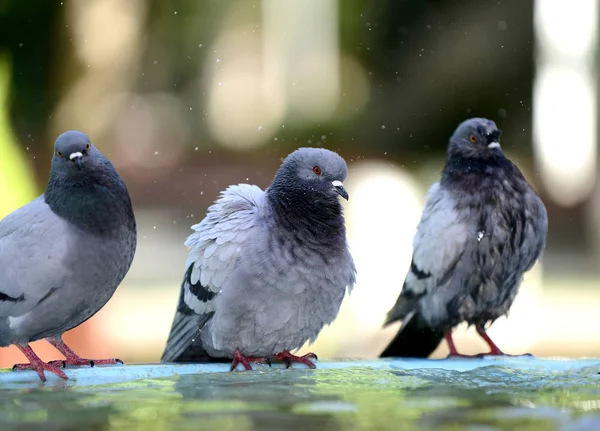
[339,189]
[77,159]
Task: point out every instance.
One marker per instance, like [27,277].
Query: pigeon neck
[97,202]
[317,216]
[459,165]
[476,173]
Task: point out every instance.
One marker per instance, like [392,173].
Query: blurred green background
[187,97]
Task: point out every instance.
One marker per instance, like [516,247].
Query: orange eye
[317,170]
[473,139]
[58,153]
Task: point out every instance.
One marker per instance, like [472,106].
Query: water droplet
[218,60]
[196,148]
[260,128]
[220,84]
[156,153]
[502,113]
[155,61]
[383,126]
[199,45]
[175,13]
[154,227]
[275,139]
[323,138]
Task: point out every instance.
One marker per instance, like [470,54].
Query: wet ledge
[105,374]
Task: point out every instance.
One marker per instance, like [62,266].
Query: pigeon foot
[84,361]
[72,358]
[238,358]
[501,353]
[494,349]
[288,358]
[452,347]
[36,364]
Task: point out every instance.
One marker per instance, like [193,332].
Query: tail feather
[184,343]
[415,339]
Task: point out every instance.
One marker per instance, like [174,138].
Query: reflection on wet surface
[486,398]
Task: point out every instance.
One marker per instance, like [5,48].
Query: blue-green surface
[486,394]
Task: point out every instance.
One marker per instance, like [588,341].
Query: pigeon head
[313,171]
[475,138]
[84,187]
[73,152]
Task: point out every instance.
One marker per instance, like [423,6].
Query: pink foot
[494,349]
[238,358]
[73,358]
[501,353]
[453,352]
[36,364]
[82,361]
[288,358]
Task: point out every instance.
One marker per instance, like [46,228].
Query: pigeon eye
[87,147]
[473,139]
[58,153]
[317,170]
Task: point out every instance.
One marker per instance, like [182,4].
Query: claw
[36,364]
[238,358]
[494,349]
[73,358]
[289,359]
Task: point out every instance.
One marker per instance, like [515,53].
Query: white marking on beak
[76,155]
[337,183]
[494,145]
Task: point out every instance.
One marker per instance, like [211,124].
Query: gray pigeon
[482,228]
[267,269]
[63,255]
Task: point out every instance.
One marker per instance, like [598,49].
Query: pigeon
[482,228]
[63,254]
[266,270]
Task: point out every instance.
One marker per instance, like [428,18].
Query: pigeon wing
[213,250]
[438,245]
[33,245]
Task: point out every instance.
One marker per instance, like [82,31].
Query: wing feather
[213,250]
[33,245]
[438,245]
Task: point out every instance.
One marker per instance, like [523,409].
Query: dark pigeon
[482,228]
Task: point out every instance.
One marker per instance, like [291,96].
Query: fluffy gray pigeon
[63,255]
[266,270]
[482,228]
